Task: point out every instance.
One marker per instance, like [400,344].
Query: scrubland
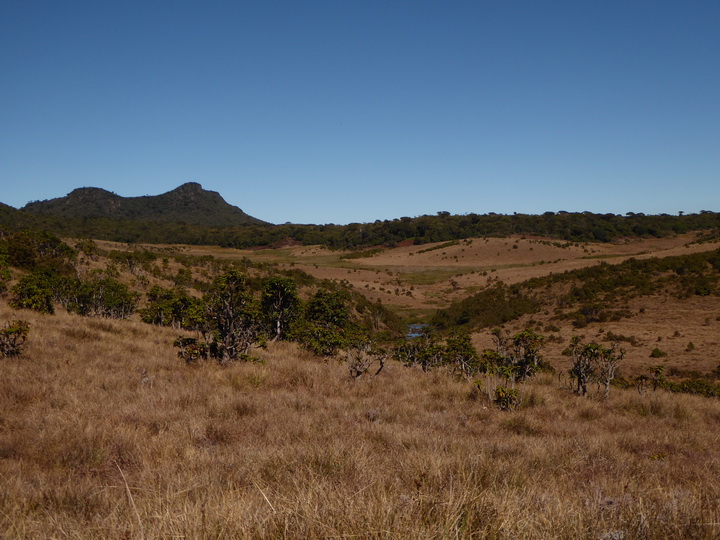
[105,433]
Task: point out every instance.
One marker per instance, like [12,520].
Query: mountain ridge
[189,203]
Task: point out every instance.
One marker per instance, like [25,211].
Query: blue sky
[350,111]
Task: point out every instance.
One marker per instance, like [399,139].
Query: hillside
[105,433]
[189,204]
[109,429]
[192,215]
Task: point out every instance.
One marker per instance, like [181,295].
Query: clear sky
[343,111]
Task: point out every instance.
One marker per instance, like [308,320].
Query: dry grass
[293,448]
[429,268]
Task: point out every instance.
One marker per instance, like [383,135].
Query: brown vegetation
[427,271]
[106,433]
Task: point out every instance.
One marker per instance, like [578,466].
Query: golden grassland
[105,433]
[426,277]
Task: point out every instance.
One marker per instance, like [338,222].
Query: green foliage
[280,305]
[506,398]
[364,254]
[461,354]
[189,204]
[492,307]
[13,336]
[592,313]
[444,245]
[96,296]
[191,349]
[328,308]
[657,374]
[171,307]
[232,318]
[516,357]
[428,352]
[190,215]
[5,275]
[133,260]
[425,351]
[657,353]
[31,250]
[34,291]
[88,247]
[612,336]
[595,291]
[363,356]
[325,327]
[592,361]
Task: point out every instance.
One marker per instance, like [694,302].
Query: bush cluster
[13,336]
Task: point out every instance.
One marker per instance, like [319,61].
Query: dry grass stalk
[293,447]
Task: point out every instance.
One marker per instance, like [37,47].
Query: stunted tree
[594,362]
[526,347]
[608,362]
[461,354]
[170,307]
[280,304]
[516,357]
[232,318]
[96,296]
[326,326]
[424,350]
[34,291]
[363,356]
[582,368]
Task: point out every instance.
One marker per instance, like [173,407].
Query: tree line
[568,226]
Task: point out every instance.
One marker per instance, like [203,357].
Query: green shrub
[5,275]
[35,292]
[506,398]
[13,336]
[191,350]
[657,353]
[170,307]
[98,296]
[325,326]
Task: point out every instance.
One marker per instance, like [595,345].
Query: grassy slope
[661,321]
[427,273]
[293,448]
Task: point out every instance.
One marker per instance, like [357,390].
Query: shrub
[227,318]
[325,327]
[461,354]
[594,362]
[35,292]
[280,304]
[170,307]
[515,357]
[657,353]
[4,275]
[506,398]
[31,250]
[12,337]
[96,297]
[232,318]
[191,350]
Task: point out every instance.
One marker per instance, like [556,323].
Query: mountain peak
[188,203]
[188,187]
